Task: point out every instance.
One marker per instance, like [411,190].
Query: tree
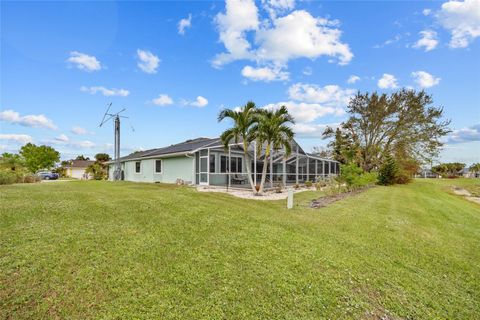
[380,124]
[475,168]
[102,157]
[387,174]
[12,161]
[273,132]
[82,157]
[243,122]
[39,157]
[451,169]
[97,170]
[322,152]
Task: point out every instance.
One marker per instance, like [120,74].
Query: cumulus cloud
[200,102]
[469,134]
[306,36]
[426,12]
[16,138]
[105,91]
[62,138]
[33,121]
[306,112]
[462,20]
[330,95]
[307,71]
[353,78]
[264,74]
[387,81]
[84,62]
[162,100]
[428,40]
[425,79]
[310,130]
[148,62]
[184,24]
[274,7]
[80,131]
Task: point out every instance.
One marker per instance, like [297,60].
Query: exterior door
[204,170]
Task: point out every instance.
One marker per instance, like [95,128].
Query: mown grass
[124,250]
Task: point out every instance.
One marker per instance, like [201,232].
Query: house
[76,169]
[205,161]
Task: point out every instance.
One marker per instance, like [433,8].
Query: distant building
[76,169]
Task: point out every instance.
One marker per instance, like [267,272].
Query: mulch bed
[327,200]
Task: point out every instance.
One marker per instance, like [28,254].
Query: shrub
[388,173]
[308,183]
[354,177]
[278,188]
[31,178]
[8,177]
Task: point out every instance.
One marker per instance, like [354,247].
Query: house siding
[172,169]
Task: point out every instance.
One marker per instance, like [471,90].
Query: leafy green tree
[82,157]
[273,132]
[39,157]
[241,131]
[475,167]
[97,170]
[102,157]
[387,174]
[379,124]
[451,169]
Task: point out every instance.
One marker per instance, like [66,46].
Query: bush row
[9,177]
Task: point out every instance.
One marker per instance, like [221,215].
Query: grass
[124,250]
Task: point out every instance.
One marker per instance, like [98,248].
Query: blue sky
[175,65]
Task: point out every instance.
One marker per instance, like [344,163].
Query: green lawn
[124,250]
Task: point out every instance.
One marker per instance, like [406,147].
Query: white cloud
[105,91]
[274,7]
[62,138]
[240,16]
[200,102]
[162,100]
[387,42]
[309,130]
[16,138]
[306,112]
[80,131]
[465,135]
[330,95]
[353,78]
[428,40]
[84,62]
[306,36]
[33,121]
[148,62]
[387,81]
[264,74]
[307,71]
[462,19]
[426,12]
[184,24]
[82,144]
[425,79]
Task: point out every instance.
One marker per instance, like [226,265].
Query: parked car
[47,175]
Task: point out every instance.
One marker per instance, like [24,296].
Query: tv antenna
[116,119]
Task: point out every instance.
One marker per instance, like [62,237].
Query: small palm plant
[244,124]
[273,132]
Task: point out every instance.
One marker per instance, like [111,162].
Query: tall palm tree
[273,132]
[244,122]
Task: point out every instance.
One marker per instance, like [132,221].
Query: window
[236,163]
[137,167]
[158,166]
[212,163]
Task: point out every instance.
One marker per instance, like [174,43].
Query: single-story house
[76,169]
[205,161]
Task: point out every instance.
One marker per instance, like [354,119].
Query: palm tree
[272,130]
[244,122]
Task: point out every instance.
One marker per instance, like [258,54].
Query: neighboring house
[427,173]
[204,161]
[467,173]
[76,169]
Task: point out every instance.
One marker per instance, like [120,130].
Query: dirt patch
[466,194]
[327,200]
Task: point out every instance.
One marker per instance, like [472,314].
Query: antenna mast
[117,172]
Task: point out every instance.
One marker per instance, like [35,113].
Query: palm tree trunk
[264,169]
[248,165]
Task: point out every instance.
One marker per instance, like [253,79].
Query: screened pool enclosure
[217,166]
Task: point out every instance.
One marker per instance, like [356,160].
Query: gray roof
[186,146]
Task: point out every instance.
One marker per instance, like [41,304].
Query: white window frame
[155,166]
[135,167]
